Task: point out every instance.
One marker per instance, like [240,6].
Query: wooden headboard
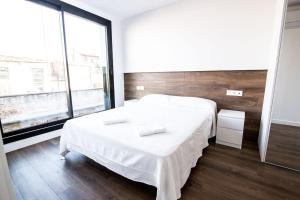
[211,85]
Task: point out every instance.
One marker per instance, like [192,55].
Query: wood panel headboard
[211,85]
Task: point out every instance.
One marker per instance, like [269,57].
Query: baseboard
[285,122]
[30,141]
[238,146]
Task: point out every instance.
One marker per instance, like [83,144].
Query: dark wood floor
[222,173]
[284,146]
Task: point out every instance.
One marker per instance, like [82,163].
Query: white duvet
[163,160]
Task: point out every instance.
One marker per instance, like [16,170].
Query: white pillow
[156,99]
[181,101]
[197,103]
[192,102]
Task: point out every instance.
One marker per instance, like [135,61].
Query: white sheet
[162,160]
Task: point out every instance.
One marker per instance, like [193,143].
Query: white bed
[162,160]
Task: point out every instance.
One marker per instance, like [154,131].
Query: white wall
[117,46]
[195,35]
[200,35]
[286,106]
[263,138]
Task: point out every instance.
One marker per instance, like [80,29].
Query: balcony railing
[25,110]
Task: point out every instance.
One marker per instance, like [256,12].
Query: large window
[87,58]
[55,64]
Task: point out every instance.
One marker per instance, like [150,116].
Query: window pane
[32,69]
[87,59]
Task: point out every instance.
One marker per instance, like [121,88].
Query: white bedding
[163,160]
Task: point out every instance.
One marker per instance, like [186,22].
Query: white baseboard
[30,141]
[285,122]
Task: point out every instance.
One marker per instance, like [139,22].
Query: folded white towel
[109,120]
[146,130]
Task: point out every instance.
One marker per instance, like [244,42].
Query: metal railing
[25,110]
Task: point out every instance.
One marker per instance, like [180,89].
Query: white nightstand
[230,128]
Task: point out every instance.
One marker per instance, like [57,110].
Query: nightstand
[230,128]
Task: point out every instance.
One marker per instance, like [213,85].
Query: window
[87,58]
[55,64]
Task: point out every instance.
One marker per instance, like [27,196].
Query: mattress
[162,160]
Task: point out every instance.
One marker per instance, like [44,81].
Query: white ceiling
[127,8]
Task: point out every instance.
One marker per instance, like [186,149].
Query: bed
[163,160]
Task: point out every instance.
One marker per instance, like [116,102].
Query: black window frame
[63,7]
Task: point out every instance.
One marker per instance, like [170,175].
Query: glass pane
[32,69]
[87,59]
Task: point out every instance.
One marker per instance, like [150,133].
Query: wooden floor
[222,173]
[284,146]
